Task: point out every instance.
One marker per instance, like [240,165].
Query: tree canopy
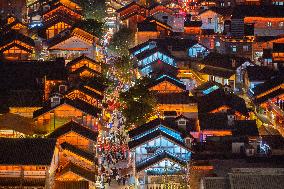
[121,41]
[138,103]
[93,9]
[92,26]
[124,68]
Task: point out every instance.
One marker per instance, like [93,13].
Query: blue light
[165,130]
[211,89]
[157,56]
[35,25]
[170,78]
[156,154]
[141,50]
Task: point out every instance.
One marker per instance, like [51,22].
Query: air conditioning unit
[55,100]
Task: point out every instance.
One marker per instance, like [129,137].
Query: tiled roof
[213,121]
[245,128]
[85,154]
[175,98]
[175,81]
[28,75]
[77,103]
[71,63]
[85,68]
[87,91]
[259,73]
[14,35]
[216,183]
[147,26]
[206,85]
[75,127]
[152,136]
[153,124]
[26,151]
[256,180]
[10,121]
[157,157]
[278,47]
[223,61]
[220,98]
[224,11]
[86,174]
[257,11]
[269,84]
[220,72]
[274,94]
[176,43]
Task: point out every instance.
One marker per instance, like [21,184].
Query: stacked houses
[216,70]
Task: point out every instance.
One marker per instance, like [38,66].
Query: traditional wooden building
[77,146]
[74,43]
[166,51]
[214,18]
[151,28]
[28,163]
[90,92]
[61,111]
[261,44]
[266,20]
[131,14]
[84,66]
[16,126]
[158,149]
[32,85]
[135,12]
[192,27]
[172,96]
[268,97]
[217,113]
[167,84]
[224,69]
[12,23]
[16,46]
[255,75]
[61,15]
[220,101]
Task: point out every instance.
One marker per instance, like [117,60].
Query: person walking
[117,178]
[109,180]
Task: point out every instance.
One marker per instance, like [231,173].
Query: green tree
[124,68]
[138,103]
[93,9]
[92,26]
[121,41]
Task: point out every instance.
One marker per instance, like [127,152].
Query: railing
[38,174]
[161,186]
[33,174]
[7,173]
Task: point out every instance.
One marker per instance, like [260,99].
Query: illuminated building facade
[165,51]
[77,155]
[84,67]
[28,163]
[158,149]
[268,97]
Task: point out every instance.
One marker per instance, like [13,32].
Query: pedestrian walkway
[114,185]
